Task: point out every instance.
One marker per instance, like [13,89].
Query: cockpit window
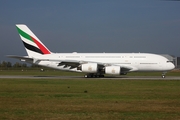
[170,61]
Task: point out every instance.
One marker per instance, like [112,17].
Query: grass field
[93,99]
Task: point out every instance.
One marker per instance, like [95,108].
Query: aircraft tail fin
[33,46]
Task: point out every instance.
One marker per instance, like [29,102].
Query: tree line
[5,64]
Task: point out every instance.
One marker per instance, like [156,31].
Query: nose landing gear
[163,75]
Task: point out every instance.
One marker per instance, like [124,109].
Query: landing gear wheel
[93,76]
[88,76]
[163,76]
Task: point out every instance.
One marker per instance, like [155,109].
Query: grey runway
[81,77]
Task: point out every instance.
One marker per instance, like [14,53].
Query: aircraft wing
[75,64]
[70,63]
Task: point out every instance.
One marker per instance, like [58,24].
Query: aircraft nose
[171,66]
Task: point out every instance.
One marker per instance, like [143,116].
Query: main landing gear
[93,76]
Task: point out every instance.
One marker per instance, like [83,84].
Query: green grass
[38,72]
[93,99]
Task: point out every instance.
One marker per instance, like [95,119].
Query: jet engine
[89,68]
[113,70]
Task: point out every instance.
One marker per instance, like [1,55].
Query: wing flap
[71,64]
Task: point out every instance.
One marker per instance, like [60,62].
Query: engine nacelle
[113,70]
[89,68]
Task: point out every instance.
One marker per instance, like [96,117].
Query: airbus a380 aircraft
[93,64]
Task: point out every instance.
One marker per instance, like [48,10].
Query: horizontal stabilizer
[22,58]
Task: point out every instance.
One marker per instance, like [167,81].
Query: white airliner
[92,64]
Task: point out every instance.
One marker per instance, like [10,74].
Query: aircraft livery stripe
[43,49]
[32,48]
[25,35]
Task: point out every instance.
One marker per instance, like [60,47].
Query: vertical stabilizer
[32,44]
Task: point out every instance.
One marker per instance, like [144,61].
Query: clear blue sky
[151,26]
